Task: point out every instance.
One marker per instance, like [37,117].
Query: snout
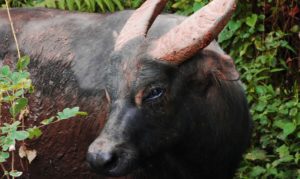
[103,162]
[110,161]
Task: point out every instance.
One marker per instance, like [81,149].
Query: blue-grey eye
[154,94]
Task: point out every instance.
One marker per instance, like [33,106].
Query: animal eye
[154,94]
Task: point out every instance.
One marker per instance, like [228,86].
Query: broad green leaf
[293,111]
[261,106]
[68,113]
[287,127]
[291,103]
[224,35]
[14,125]
[5,70]
[23,63]
[10,127]
[6,146]
[3,156]
[19,93]
[15,173]
[34,132]
[260,90]
[234,25]
[256,154]
[198,5]
[251,21]
[136,3]
[257,171]
[19,105]
[282,110]
[295,29]
[284,159]
[21,135]
[17,77]
[283,151]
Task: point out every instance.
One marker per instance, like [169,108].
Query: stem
[16,40]
[4,169]
[13,161]
[19,56]
[41,126]
[12,28]
[1,96]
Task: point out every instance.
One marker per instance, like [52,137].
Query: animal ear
[140,21]
[222,67]
[211,64]
[194,33]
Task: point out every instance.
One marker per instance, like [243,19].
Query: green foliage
[72,5]
[262,49]
[35,132]
[68,113]
[263,44]
[15,173]
[186,7]
[14,85]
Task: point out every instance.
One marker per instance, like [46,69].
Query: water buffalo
[167,99]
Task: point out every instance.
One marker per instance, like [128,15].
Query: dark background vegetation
[264,39]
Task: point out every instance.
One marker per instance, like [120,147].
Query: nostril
[102,160]
[111,161]
[91,159]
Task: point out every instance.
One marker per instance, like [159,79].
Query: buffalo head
[146,85]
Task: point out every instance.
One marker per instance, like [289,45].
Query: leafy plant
[73,5]
[263,50]
[14,85]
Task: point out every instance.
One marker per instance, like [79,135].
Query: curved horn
[140,21]
[194,33]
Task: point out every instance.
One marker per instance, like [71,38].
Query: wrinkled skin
[157,120]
